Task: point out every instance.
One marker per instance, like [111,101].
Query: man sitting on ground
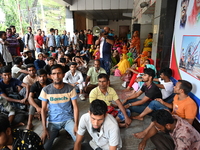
[17,138]
[101,126]
[184,135]
[35,104]
[29,59]
[149,88]
[183,106]
[92,76]
[166,86]
[9,88]
[108,94]
[75,78]
[31,78]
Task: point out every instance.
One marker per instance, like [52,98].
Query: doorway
[123,31]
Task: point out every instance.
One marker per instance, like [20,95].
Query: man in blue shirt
[106,41]
[65,39]
[62,108]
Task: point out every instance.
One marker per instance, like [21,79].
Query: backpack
[23,39]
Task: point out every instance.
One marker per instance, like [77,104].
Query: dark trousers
[106,64]
[163,141]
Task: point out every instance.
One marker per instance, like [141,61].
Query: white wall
[89,23]
[115,25]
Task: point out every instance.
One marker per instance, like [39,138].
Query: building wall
[114,25]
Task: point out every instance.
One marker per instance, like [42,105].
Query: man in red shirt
[89,39]
[39,41]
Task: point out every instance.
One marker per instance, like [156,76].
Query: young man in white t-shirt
[167,87]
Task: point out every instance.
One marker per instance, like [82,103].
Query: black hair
[56,29]
[30,65]
[148,61]
[151,34]
[17,60]
[41,72]
[68,56]
[185,86]
[50,58]
[4,123]
[98,107]
[150,72]
[98,60]
[46,54]
[8,29]
[52,29]
[73,63]
[167,72]
[103,75]
[62,60]
[12,26]
[162,117]
[6,69]
[39,29]
[29,27]
[57,66]
[1,33]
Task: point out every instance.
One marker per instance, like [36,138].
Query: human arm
[10,99]
[27,90]
[36,43]
[23,71]
[45,133]
[149,134]
[135,95]
[156,79]
[137,103]
[80,80]
[86,81]
[127,119]
[77,144]
[169,105]
[65,79]
[112,147]
[161,86]
[33,103]
[76,114]
[26,41]
[47,40]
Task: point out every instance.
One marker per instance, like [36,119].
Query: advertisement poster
[185,54]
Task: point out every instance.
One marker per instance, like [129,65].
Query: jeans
[155,105]
[137,109]
[38,50]
[55,127]
[163,141]
[106,64]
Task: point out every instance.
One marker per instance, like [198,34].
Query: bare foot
[140,135]
[29,126]
[137,118]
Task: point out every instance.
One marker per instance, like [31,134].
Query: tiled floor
[128,140]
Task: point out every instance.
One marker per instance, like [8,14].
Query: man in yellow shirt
[108,94]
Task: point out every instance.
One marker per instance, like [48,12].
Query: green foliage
[54,14]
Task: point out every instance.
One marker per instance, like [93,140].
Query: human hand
[142,145]
[126,106]
[75,129]
[23,101]
[159,100]
[128,122]
[39,110]
[45,135]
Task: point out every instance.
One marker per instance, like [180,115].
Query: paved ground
[128,140]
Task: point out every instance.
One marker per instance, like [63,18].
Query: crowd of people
[44,76]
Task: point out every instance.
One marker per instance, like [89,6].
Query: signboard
[185,54]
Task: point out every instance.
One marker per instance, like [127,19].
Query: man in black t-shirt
[35,104]
[150,90]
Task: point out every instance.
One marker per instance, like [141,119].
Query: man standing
[29,41]
[36,88]
[108,94]
[65,39]
[101,126]
[57,38]
[39,41]
[106,43]
[51,41]
[62,108]
[92,76]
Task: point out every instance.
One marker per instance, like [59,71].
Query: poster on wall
[185,54]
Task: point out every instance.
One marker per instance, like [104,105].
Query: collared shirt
[69,78]
[110,96]
[109,134]
[25,139]
[58,40]
[51,41]
[65,40]
[94,75]
[185,136]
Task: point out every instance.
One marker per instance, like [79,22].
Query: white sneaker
[82,97]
